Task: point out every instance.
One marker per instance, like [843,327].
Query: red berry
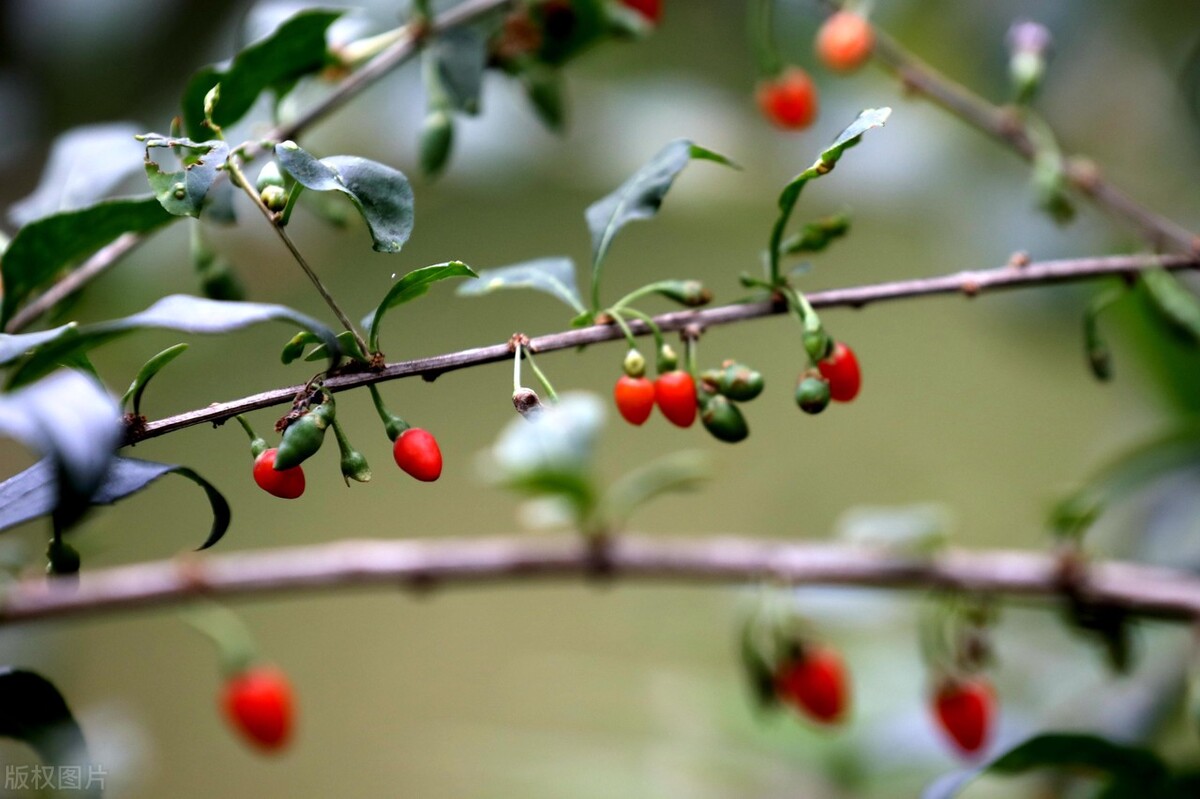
[650,9]
[964,709]
[815,684]
[416,451]
[285,483]
[258,703]
[635,398]
[842,372]
[845,41]
[788,100]
[675,393]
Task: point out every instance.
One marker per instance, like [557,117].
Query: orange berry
[845,41]
[788,100]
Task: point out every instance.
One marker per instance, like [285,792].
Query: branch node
[1019,259]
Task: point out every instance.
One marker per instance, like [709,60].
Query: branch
[1005,125]
[967,284]
[422,564]
[375,69]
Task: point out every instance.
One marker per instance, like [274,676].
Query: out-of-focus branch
[425,564]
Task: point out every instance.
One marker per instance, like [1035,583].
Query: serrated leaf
[554,276]
[460,56]
[177,312]
[183,191]
[639,197]
[30,494]
[85,165]
[409,287]
[382,195]
[71,420]
[149,369]
[41,249]
[296,48]
[868,119]
[1130,771]
[1178,307]
[34,712]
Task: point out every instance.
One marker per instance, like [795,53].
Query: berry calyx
[814,683]
[282,483]
[842,372]
[789,100]
[845,42]
[650,9]
[964,709]
[416,452]
[259,704]
[635,398]
[675,393]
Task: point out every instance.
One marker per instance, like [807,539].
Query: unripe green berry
[274,197]
[723,419]
[437,137]
[812,393]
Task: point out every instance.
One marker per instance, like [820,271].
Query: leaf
[30,494]
[296,48]
[554,276]
[1131,771]
[868,119]
[183,191]
[178,312]
[41,249]
[34,712]
[817,235]
[1176,305]
[639,197]
[348,344]
[85,165]
[382,195]
[409,287]
[460,56]
[146,373]
[71,420]
[586,24]
[679,471]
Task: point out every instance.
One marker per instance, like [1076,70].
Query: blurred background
[985,408]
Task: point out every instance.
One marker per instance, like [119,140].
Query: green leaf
[871,118]
[41,249]
[382,195]
[554,276]
[175,312]
[544,88]
[35,713]
[569,30]
[72,421]
[296,48]
[85,165]
[1129,771]
[346,341]
[1176,305]
[409,287]
[183,191]
[459,57]
[146,373]
[30,494]
[817,235]
[639,197]
[679,471]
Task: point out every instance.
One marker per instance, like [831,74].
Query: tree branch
[375,69]
[1005,125]
[969,284]
[423,564]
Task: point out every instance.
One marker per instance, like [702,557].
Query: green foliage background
[580,691]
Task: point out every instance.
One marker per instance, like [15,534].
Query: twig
[375,69]
[966,284]
[422,564]
[1005,125]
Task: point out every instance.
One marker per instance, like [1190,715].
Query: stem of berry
[240,179]
[551,394]
[761,21]
[393,425]
[649,322]
[235,645]
[258,445]
[621,323]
